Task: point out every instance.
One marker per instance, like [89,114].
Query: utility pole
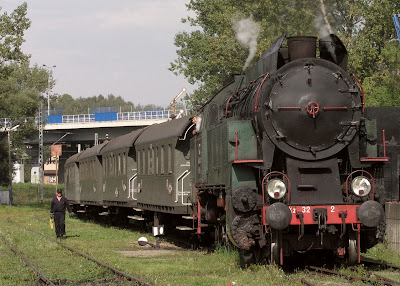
[40,158]
[48,87]
[10,165]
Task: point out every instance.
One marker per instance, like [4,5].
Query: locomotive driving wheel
[352,249]
[275,247]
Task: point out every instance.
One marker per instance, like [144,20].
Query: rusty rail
[381,263]
[379,279]
[116,271]
[40,274]
[382,279]
[305,282]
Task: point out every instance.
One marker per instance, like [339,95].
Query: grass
[28,193]
[104,243]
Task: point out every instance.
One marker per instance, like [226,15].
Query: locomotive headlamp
[361,186]
[276,189]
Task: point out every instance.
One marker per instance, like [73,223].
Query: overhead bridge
[78,132]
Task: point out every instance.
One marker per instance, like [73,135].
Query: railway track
[378,263]
[42,277]
[372,278]
[117,272]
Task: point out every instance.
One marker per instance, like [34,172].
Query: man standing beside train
[57,211]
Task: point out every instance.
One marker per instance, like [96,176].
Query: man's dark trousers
[59,221]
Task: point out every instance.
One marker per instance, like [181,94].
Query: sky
[120,47]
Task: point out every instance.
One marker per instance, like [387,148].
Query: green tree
[84,105]
[210,53]
[12,30]
[20,85]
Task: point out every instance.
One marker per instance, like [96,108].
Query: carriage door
[133,188]
[183,188]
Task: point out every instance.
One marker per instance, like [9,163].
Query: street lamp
[48,86]
[10,168]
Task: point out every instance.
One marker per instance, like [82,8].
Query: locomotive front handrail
[258,91]
[362,92]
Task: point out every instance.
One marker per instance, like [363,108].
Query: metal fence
[78,118]
[145,115]
[82,118]
[139,115]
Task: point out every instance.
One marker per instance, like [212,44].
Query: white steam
[321,26]
[247,32]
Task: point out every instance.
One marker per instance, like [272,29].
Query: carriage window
[107,165]
[162,160]
[150,160]
[156,158]
[111,165]
[169,158]
[139,162]
[115,164]
[124,164]
[119,164]
[145,162]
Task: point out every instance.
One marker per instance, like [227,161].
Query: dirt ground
[150,251]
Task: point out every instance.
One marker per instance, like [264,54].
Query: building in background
[50,171]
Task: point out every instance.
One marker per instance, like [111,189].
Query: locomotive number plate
[333,213]
[308,209]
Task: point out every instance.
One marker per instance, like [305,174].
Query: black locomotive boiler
[284,158]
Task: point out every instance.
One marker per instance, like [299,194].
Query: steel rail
[305,282]
[349,277]
[382,279]
[40,274]
[116,271]
[381,263]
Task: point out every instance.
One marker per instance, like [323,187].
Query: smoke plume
[320,25]
[247,32]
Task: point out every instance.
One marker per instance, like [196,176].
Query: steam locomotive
[284,158]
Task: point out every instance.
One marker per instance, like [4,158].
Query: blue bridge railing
[107,116]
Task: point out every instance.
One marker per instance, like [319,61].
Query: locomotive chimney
[302,47]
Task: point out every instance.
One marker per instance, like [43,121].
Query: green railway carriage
[120,170]
[71,175]
[163,154]
[91,175]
